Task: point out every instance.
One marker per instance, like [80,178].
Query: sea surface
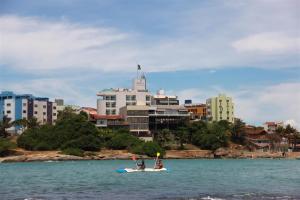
[186,179]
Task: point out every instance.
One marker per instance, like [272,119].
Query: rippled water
[187,179]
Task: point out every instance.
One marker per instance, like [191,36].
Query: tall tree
[5,124]
[181,135]
[238,132]
[292,134]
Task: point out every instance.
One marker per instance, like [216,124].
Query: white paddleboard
[130,170]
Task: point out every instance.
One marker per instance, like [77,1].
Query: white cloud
[36,45]
[269,43]
[256,105]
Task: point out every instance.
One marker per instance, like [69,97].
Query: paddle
[134,158]
[157,155]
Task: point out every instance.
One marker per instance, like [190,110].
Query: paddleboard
[130,170]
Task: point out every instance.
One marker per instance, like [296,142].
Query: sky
[249,50]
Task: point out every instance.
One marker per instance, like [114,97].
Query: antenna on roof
[139,68]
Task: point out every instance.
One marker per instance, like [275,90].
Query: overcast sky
[249,50]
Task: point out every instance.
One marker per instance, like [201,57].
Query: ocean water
[186,179]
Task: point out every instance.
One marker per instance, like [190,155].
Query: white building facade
[111,100]
[26,106]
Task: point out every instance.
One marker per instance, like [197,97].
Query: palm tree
[32,123]
[5,124]
[27,123]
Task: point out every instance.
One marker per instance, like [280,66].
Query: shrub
[71,131]
[43,146]
[73,152]
[85,142]
[149,149]
[123,141]
[5,146]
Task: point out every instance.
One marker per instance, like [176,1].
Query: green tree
[211,136]
[238,132]
[148,148]
[5,124]
[292,134]
[181,136]
[163,137]
[5,146]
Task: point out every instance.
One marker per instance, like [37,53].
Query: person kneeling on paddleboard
[159,165]
[141,165]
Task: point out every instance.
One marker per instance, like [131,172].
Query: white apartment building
[111,100]
[26,106]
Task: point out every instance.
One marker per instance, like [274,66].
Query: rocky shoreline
[32,156]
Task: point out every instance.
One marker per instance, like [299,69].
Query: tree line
[74,134]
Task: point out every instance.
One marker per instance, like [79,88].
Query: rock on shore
[31,156]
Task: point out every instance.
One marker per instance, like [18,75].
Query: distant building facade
[26,106]
[271,127]
[220,108]
[197,111]
[137,117]
[111,100]
[167,117]
[161,99]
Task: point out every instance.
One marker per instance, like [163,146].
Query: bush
[211,137]
[71,131]
[42,146]
[5,146]
[86,143]
[73,152]
[148,148]
[121,141]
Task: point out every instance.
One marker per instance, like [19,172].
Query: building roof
[270,123]
[253,131]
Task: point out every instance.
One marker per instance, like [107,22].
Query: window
[130,97]
[54,107]
[24,111]
[107,104]
[127,97]
[35,112]
[24,104]
[35,105]
[54,114]
[44,113]
[8,111]
[113,112]
[44,106]
[113,104]
[8,104]
[107,112]
[147,98]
